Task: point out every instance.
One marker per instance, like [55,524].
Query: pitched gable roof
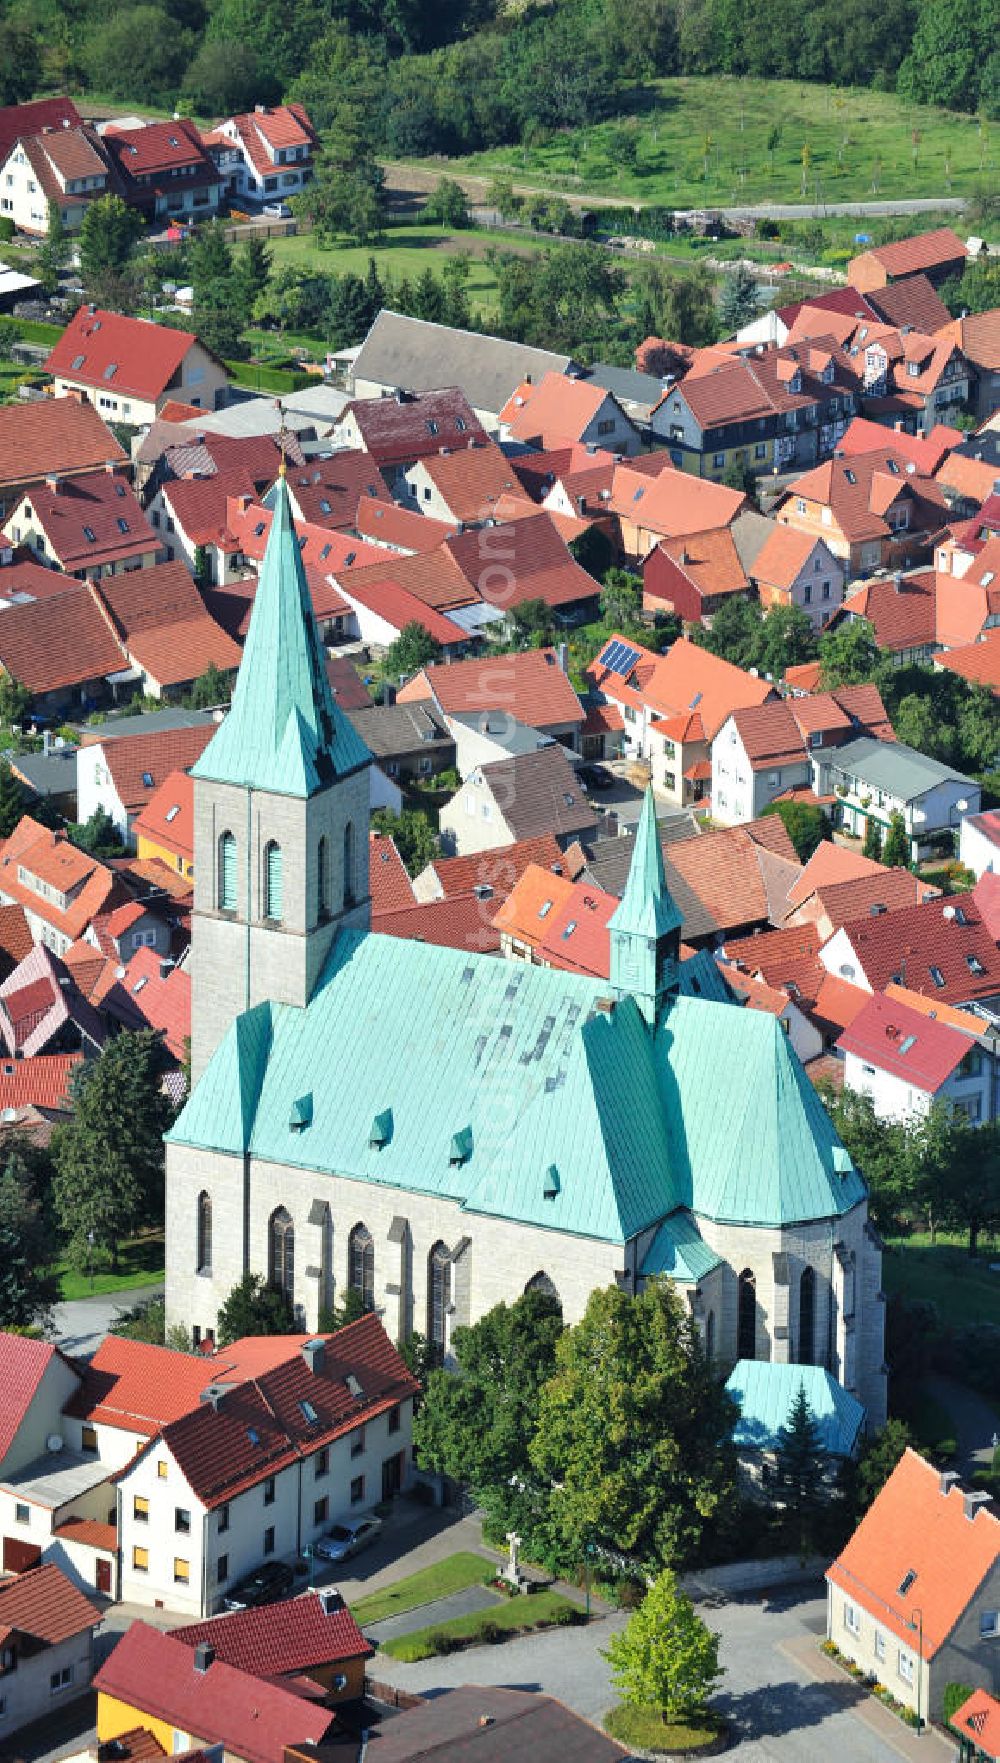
[911,1046]
[917,1525]
[529,685]
[904,257]
[23,1364]
[163,999]
[687,678]
[278,1639]
[132,355]
[909,945]
[132,759]
[31,118]
[395,430]
[45,1606]
[60,435]
[413,352]
[538,793]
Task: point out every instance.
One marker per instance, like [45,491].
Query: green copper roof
[678,1251]
[284,731]
[528,1068]
[764,1393]
[647,908]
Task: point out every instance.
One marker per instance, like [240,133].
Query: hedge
[269,379]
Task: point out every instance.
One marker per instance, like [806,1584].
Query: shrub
[490,1633]
[440,1642]
[954,1695]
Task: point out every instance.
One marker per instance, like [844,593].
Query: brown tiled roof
[394,431]
[91,519]
[46,1606]
[328,490]
[769,735]
[913,301]
[978,337]
[132,758]
[860,490]
[499,869]
[165,625]
[529,685]
[709,560]
[532,554]
[519,1724]
[906,257]
[471,480]
[459,921]
[787,959]
[862,895]
[63,435]
[538,792]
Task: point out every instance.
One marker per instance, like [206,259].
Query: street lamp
[90,1257]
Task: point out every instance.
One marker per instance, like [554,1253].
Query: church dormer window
[227,873]
[273,881]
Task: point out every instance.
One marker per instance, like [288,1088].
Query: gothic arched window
[807,1317]
[361,1264]
[204,1257]
[227,873]
[281,1252]
[273,881]
[746,1317]
[540,1282]
[438,1295]
[349,881]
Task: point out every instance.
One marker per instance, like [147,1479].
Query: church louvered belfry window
[227,873]
[273,881]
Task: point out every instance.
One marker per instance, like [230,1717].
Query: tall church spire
[645,928]
[284,732]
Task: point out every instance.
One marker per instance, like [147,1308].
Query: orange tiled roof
[536,895]
[979,663]
[913,1527]
[686,679]
[63,435]
[50,857]
[530,686]
[978,1718]
[555,411]
[472,479]
[168,817]
[830,863]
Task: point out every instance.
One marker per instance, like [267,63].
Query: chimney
[972,1499]
[312,1353]
[213,1393]
[948,1479]
[329,1599]
[204,1656]
[562,653]
[682,559]
[53,482]
[897,582]
[111,466]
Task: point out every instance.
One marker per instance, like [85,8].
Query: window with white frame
[989,1624]
[905,1665]
[852,1617]
[879,1644]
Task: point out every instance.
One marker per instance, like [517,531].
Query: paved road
[780,1713]
[81,1325]
[465,1603]
[976,1424]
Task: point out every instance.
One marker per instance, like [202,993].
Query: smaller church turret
[281,804]
[646,927]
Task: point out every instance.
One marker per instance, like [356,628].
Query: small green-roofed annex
[678,1253]
[764,1393]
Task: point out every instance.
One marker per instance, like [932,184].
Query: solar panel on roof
[618,657]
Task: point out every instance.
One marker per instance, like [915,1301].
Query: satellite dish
[54,1442]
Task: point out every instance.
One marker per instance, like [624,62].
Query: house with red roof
[977,1722]
[693,577]
[123,773]
[531,686]
[51,437]
[64,163]
[265,155]
[560,410]
[914,1596]
[312,1637]
[165,171]
[873,510]
[88,526]
[263,1463]
[791,568]
[905,1061]
[192,1698]
[128,368]
[938,255]
[164,828]
[47,1629]
[925,452]
[763,750]
[191,515]
[940,948]
[43,1011]
[61,888]
[396,432]
[464,484]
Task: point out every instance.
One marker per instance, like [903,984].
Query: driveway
[976,1423]
[780,1713]
[81,1325]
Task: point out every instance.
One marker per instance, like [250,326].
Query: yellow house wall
[148,848]
[114,1718]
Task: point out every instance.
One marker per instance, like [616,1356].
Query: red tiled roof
[198,505]
[498,869]
[168,817]
[158,148]
[805,678]
[837,1002]
[785,959]
[259,1426]
[17,120]
[458,921]
[138,1387]
[251,1718]
[386,525]
[91,518]
[390,601]
[23,1364]
[145,356]
[554,410]
[391,887]
[945,935]
[63,435]
[672,504]
[16,939]
[59,642]
[893,1038]
[575,936]
[686,679]
[281,1638]
[328,491]
[903,617]
[163,999]
[132,758]
[925,452]
[979,663]
[912,1527]
[978,1718]
[923,251]
[394,431]
[472,479]
[830,864]
[88,1531]
[45,1605]
[860,490]
[530,685]
[41,1082]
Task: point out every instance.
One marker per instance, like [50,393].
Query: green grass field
[962,1286]
[406,251]
[541,1610]
[704,141]
[453,1574]
[140,1264]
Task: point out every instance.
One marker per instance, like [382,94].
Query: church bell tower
[645,928]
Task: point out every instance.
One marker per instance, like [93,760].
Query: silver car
[348,1538]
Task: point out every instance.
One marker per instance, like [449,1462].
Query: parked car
[270,1582]
[348,1538]
[596,777]
[277,211]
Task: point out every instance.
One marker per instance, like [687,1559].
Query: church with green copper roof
[440,1131]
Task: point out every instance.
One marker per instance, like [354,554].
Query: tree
[735,633]
[881,1150]
[805,824]
[345,194]
[414,836]
[137,52]
[918,725]
[786,639]
[15,700]
[799,1471]
[531,622]
[109,231]
[879,1455]
[476,1427]
[679,307]
[739,476]
[896,849]
[226,77]
[147,1321]
[250,275]
[413,649]
[221,307]
[633,1431]
[98,835]
[211,688]
[665,1657]
[253,1308]
[447,205]
[27,1289]
[621,599]
[109,1156]
[11,800]
[872,847]
[739,300]
[848,655]
[55,251]
[335,1316]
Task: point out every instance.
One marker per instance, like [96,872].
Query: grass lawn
[403,251]
[646,1730]
[931,1422]
[962,1286]
[704,141]
[453,1574]
[513,1616]
[140,1264]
